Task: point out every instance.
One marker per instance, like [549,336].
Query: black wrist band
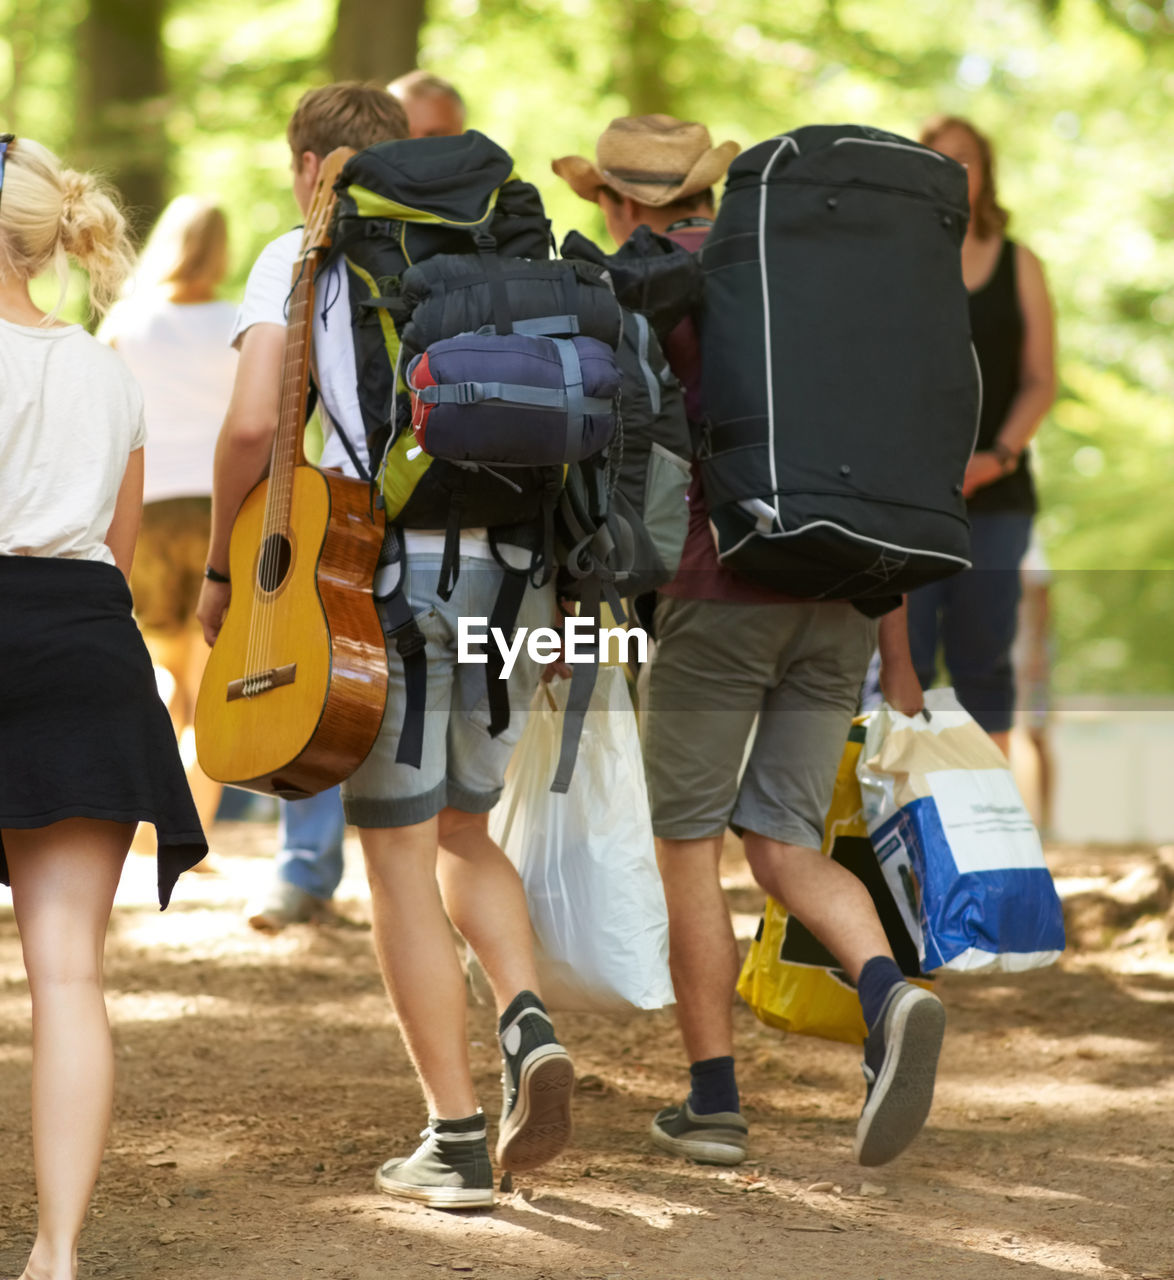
[214,575]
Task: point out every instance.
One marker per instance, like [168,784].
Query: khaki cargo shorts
[795,668]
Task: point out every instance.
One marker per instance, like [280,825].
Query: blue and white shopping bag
[955,842]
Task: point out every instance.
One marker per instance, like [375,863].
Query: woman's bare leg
[63,881]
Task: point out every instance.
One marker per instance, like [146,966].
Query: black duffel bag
[840,390]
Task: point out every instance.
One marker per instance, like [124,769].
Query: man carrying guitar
[415,824]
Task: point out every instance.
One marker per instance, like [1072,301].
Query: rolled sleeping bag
[514,400]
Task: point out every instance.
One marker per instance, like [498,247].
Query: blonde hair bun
[94,234]
[50,214]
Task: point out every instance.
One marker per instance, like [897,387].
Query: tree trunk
[122,83]
[642,51]
[376,39]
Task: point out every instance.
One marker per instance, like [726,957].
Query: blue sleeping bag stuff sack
[955,842]
[512,400]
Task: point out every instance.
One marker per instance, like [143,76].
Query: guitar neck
[288,450]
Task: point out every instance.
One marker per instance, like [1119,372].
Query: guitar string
[280,487]
[280,491]
[261,612]
[279,495]
[285,467]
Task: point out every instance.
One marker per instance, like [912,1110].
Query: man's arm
[898,679]
[242,455]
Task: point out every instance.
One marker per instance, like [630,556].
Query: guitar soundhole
[274,561]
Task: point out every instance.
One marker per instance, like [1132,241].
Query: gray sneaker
[719,1138]
[900,1063]
[284,903]
[448,1170]
[537,1080]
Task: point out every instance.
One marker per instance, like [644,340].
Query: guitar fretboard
[287,444]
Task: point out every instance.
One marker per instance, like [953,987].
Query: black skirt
[83,733]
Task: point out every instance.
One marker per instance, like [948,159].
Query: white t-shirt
[266,295]
[71,413]
[179,354]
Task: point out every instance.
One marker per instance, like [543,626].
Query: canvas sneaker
[450,1169]
[900,1063]
[284,903]
[717,1138]
[537,1080]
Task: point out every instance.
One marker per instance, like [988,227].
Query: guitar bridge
[261,682]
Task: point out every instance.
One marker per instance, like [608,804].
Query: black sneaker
[537,1081]
[449,1170]
[719,1138]
[900,1062]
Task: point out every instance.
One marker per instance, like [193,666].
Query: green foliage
[1076,93]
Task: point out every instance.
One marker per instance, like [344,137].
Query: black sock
[523,1000]
[466,1124]
[878,977]
[714,1087]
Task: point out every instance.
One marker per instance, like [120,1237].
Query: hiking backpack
[633,495]
[622,516]
[439,239]
[840,390]
[483,370]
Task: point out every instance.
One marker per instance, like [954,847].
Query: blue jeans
[974,615]
[310,836]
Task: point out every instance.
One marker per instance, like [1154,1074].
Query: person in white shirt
[172,331]
[415,823]
[86,745]
[309,864]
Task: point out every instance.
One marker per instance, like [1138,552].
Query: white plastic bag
[955,841]
[587,858]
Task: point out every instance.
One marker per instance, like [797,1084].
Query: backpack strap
[319,401]
[450,563]
[495,277]
[583,679]
[506,608]
[399,625]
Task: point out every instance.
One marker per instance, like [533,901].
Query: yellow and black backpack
[447,258]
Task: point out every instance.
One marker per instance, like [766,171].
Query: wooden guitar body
[294,691]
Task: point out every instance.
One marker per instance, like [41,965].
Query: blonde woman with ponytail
[86,747]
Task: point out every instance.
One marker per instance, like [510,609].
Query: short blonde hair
[49,214]
[188,245]
[346,114]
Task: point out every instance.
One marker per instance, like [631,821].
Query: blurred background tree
[175,95]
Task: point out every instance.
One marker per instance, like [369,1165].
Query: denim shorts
[462,766]
[796,670]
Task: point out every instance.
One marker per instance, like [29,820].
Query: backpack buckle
[409,639]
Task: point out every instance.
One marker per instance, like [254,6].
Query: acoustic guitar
[293,694]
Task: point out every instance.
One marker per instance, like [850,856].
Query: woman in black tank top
[973,614]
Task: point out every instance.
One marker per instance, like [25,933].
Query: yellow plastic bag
[791,980]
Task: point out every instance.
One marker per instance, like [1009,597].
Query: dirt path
[262,1080]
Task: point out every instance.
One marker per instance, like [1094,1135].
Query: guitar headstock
[316,232]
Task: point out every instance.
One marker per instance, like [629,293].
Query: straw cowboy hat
[653,159]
